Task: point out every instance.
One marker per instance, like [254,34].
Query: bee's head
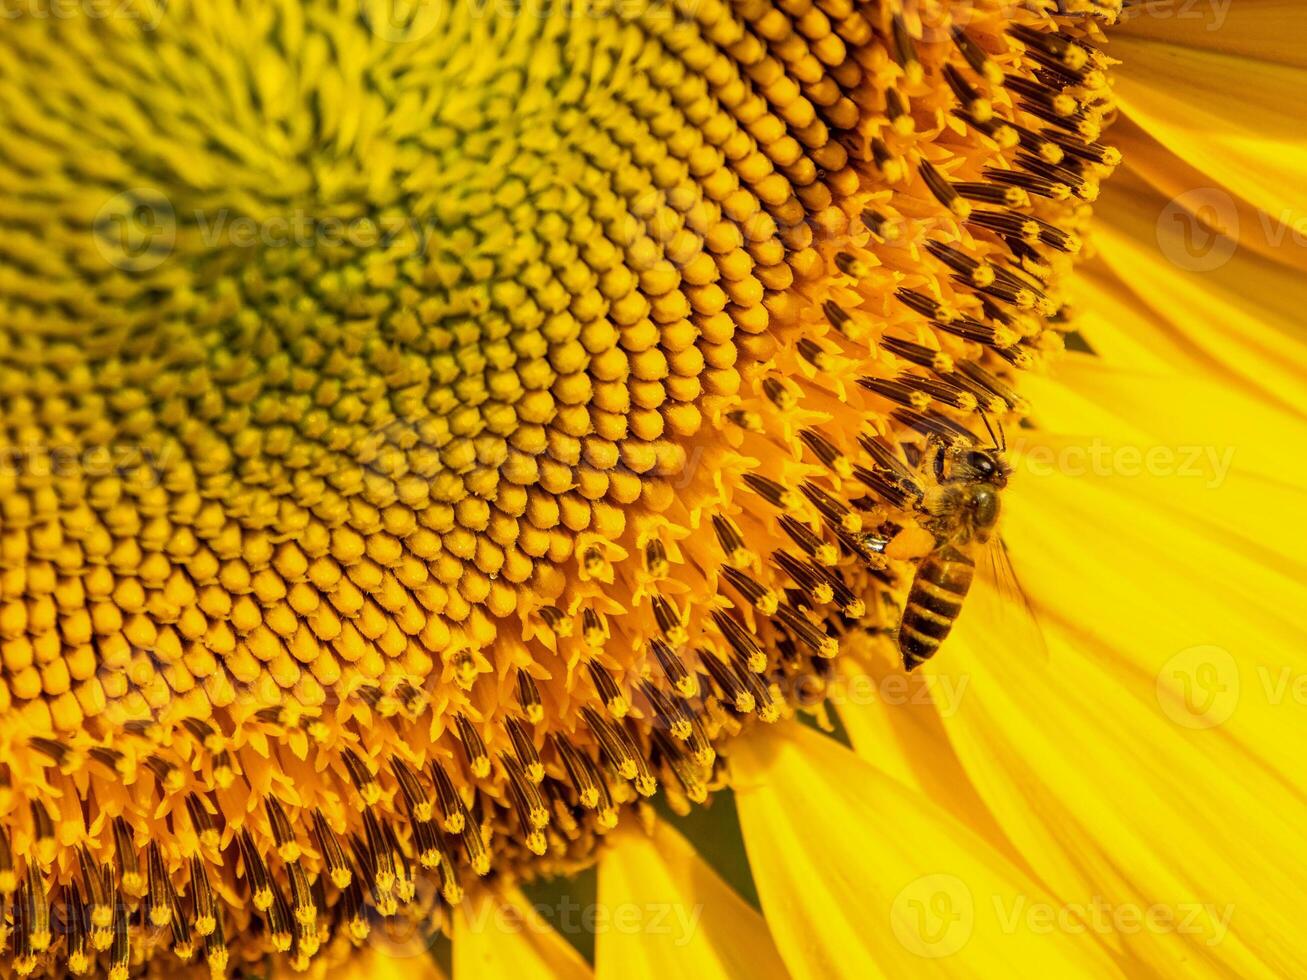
[986,466]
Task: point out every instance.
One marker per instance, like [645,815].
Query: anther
[980,62]
[755,594]
[410,788]
[778,394]
[287,846]
[880,226]
[525,749]
[474,749]
[334,861]
[972,270]
[682,681]
[256,872]
[771,491]
[587,794]
[732,688]
[943,191]
[817,549]
[806,632]
[669,620]
[731,541]
[453,812]
[740,640]
[592,628]
[914,353]
[671,714]
[158,896]
[556,620]
[361,776]
[970,99]
[824,450]
[655,558]
[941,391]
[129,871]
[836,512]
[895,392]
[202,901]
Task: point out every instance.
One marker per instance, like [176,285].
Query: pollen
[428,433]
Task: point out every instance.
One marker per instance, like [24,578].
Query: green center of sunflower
[431,431]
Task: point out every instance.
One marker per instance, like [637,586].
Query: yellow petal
[1150,760]
[668,914]
[1236,118]
[386,956]
[1239,310]
[1265,30]
[861,877]
[500,934]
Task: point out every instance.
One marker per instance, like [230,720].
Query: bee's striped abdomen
[940,585]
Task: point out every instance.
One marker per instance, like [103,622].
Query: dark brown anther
[587,794]
[895,392]
[120,950]
[411,789]
[748,587]
[361,776]
[808,542]
[807,632]
[778,394]
[671,715]
[880,226]
[453,813]
[158,895]
[733,690]
[836,316]
[770,491]
[129,870]
[931,423]
[683,682]
[941,391]
[528,697]
[287,846]
[202,902]
[256,872]
[669,620]
[334,861]
[975,56]
[525,749]
[741,641]
[730,539]
[474,749]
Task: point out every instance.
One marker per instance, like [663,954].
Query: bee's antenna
[1001,446]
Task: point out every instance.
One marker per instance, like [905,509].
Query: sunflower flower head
[430,432]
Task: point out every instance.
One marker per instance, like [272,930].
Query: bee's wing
[1001,611]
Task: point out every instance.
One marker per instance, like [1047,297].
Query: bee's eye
[982,463]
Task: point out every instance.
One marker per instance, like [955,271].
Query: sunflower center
[432,431]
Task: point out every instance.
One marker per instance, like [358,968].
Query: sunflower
[449,447]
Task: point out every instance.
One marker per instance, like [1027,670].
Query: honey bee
[960,506]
